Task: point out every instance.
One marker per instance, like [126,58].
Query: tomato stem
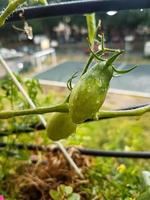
[102,114]
[58,108]
[122,113]
[100,52]
[11,7]
[103,42]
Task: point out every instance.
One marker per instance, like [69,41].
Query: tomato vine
[13,5]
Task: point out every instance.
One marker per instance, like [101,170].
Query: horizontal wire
[77,7]
[134,106]
[88,152]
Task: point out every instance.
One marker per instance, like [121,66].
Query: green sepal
[95,55]
[123,71]
[113,58]
[69,82]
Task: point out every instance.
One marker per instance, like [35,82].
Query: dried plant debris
[34,181]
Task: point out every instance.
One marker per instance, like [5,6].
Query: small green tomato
[60,126]
[90,92]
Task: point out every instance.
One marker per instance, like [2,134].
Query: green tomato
[90,92]
[60,126]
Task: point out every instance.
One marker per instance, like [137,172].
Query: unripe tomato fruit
[89,93]
[60,126]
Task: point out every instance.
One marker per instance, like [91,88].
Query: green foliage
[12,99]
[10,92]
[33,88]
[44,2]
[114,134]
[145,195]
[112,178]
[64,192]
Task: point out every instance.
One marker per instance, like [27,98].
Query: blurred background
[52,49]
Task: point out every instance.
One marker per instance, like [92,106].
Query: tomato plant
[111,179]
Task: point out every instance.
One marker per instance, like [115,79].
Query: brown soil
[34,181]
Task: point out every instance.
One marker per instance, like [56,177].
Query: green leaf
[61,189]
[91,25]
[69,82]
[144,196]
[74,196]
[54,194]
[68,190]
[113,58]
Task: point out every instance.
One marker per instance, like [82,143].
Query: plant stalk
[102,114]
[42,110]
[122,113]
[11,7]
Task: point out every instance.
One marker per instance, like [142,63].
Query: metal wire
[134,107]
[88,152]
[77,7]
[96,153]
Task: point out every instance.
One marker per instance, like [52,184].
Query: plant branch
[103,114]
[91,25]
[11,7]
[122,113]
[9,114]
